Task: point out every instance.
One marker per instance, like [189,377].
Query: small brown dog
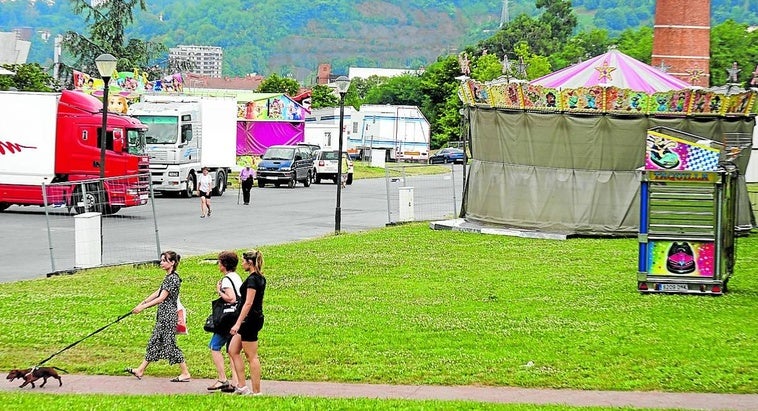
[30,375]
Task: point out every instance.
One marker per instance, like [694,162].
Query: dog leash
[89,335]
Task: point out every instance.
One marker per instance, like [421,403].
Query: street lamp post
[106,64]
[343,83]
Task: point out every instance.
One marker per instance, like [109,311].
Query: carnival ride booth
[687,215]
[563,156]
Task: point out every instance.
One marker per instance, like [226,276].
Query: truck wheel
[307,181]
[3,206]
[349,179]
[88,201]
[277,184]
[261,183]
[220,184]
[318,179]
[191,186]
[291,183]
[112,209]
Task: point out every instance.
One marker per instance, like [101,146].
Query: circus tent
[613,68]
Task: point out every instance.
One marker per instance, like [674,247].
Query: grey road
[276,215]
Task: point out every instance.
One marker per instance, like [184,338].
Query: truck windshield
[160,129]
[278,153]
[135,141]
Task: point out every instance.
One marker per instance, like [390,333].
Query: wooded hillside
[268,36]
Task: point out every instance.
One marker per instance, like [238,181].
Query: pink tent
[613,68]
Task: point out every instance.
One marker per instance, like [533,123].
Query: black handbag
[223,314]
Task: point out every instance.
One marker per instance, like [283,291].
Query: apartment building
[203,60]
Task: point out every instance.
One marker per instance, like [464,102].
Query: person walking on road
[227,288]
[249,323]
[204,185]
[247,178]
[162,343]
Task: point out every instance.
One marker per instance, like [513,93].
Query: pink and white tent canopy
[613,68]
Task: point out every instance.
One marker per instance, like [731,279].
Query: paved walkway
[97,384]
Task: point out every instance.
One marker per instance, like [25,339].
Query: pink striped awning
[613,68]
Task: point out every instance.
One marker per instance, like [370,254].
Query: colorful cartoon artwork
[479,91]
[118,104]
[607,99]
[669,153]
[506,95]
[684,258]
[542,98]
[584,99]
[128,84]
[739,103]
[274,108]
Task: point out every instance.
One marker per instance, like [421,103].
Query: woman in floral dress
[162,344]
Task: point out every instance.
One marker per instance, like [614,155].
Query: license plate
[674,287]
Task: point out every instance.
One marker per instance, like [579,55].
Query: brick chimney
[681,39]
[324,70]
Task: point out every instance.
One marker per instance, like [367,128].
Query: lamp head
[343,83]
[106,64]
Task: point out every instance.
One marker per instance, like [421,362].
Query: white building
[366,72]
[206,60]
[13,50]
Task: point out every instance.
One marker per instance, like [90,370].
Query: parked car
[314,148]
[326,166]
[285,165]
[448,155]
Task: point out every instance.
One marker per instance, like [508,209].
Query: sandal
[132,372]
[228,388]
[179,379]
[218,385]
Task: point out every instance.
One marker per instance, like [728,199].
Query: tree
[109,22]
[487,67]
[399,90]
[583,46]
[323,96]
[731,42]
[278,84]
[559,21]
[28,77]
[637,43]
[439,83]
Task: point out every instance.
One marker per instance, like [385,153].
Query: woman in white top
[227,288]
[204,184]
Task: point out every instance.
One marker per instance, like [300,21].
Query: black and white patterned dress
[162,344]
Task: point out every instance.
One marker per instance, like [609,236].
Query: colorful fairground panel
[541,98]
[666,152]
[506,95]
[610,83]
[269,106]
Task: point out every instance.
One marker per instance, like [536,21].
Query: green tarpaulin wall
[573,173]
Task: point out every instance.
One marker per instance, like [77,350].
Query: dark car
[448,155]
[314,148]
[285,165]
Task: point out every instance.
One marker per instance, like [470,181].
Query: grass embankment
[29,401]
[362,170]
[408,305]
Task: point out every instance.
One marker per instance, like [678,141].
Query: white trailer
[185,134]
[322,127]
[402,131]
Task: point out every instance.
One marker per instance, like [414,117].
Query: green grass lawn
[409,305]
[28,400]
